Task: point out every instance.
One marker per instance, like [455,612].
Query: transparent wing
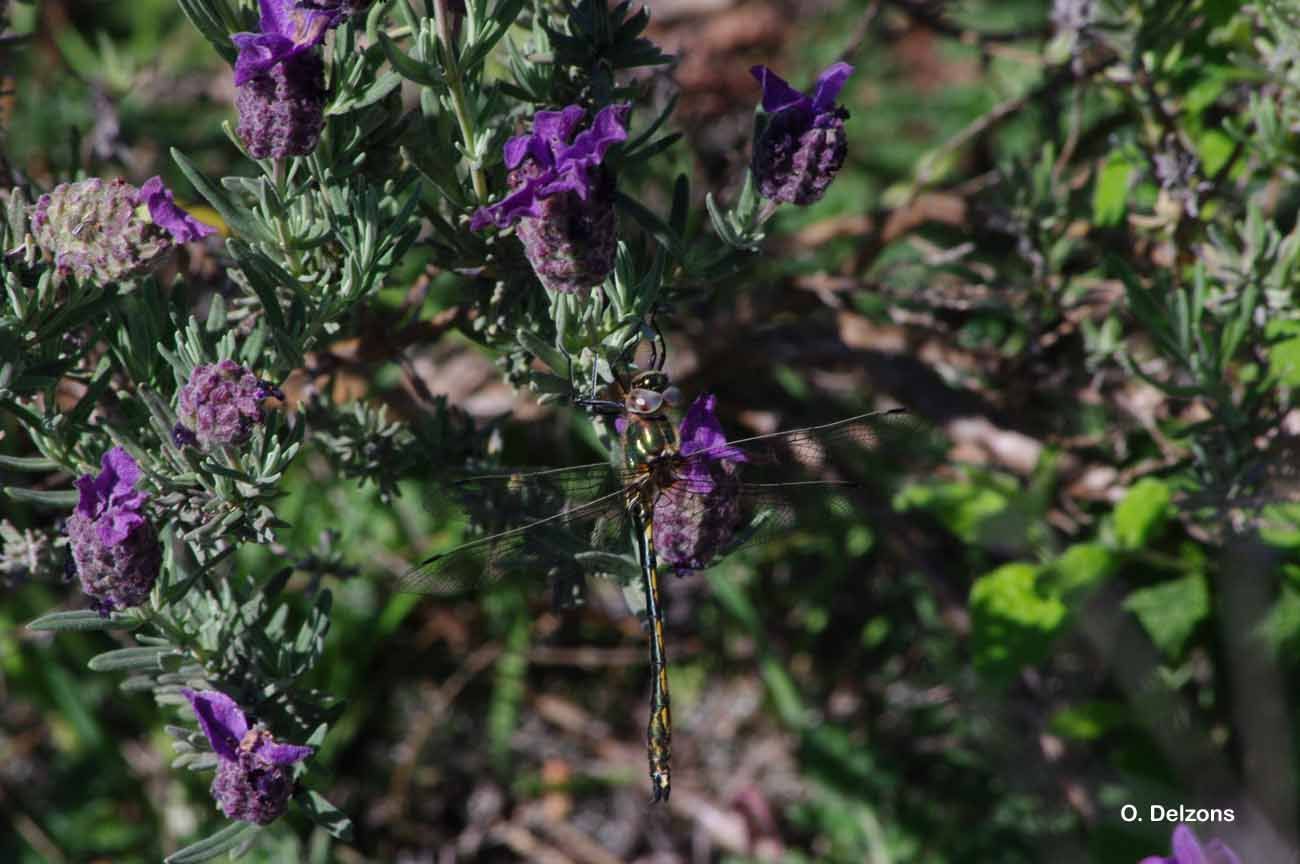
[791,474]
[531,548]
[814,452]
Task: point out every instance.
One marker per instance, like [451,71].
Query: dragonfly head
[650,391]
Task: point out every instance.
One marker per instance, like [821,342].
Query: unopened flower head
[108,231]
[1188,849]
[280,77]
[220,405]
[253,783]
[700,513]
[114,547]
[562,197]
[802,144]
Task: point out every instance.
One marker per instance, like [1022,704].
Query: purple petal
[116,525]
[590,146]
[1218,853]
[829,84]
[777,94]
[302,25]
[555,128]
[701,432]
[1187,849]
[1155,859]
[516,149]
[118,464]
[283,754]
[220,719]
[163,211]
[509,210]
[574,180]
[258,52]
[88,502]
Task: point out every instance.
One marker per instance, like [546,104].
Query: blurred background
[1030,620]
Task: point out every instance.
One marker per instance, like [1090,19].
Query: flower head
[220,405]
[1188,850]
[252,784]
[163,211]
[115,549]
[282,110]
[700,512]
[802,145]
[96,230]
[562,197]
[287,29]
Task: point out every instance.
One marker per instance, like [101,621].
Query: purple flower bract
[252,783]
[163,211]
[287,28]
[802,146]
[114,548]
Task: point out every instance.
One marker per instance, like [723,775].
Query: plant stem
[456,86]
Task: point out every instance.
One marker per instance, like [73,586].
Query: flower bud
[220,405]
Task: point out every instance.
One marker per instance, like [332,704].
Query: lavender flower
[94,231]
[280,77]
[1188,850]
[802,145]
[562,197]
[115,549]
[701,512]
[252,784]
[220,405]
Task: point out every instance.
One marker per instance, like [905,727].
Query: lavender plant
[378,139]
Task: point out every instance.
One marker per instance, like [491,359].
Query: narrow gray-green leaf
[210,847]
[81,619]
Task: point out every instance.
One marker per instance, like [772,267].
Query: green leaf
[1089,721]
[324,814]
[1169,612]
[210,847]
[135,659]
[407,66]
[28,463]
[1284,362]
[61,498]
[81,620]
[1083,566]
[1142,514]
[1110,194]
[1013,623]
[236,218]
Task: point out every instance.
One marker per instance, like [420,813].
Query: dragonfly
[733,493]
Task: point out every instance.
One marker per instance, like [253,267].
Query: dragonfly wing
[813,452]
[778,477]
[531,548]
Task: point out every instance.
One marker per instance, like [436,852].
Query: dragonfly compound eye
[644,401]
[672,396]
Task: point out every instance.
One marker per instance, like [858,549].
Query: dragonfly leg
[660,731]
